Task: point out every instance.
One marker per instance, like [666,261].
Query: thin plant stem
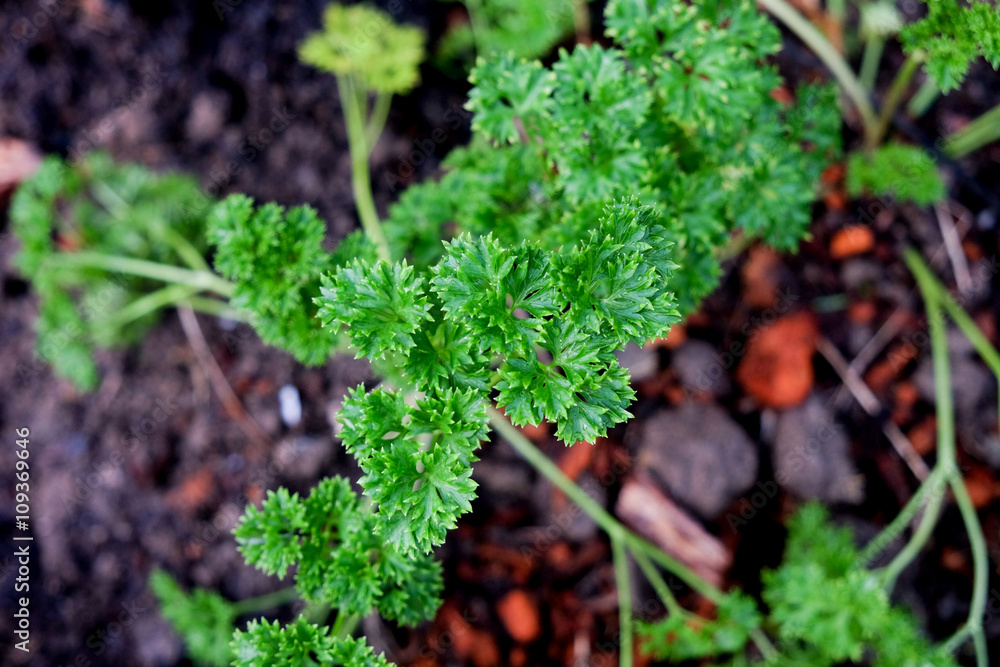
[981,131]
[360,179]
[317,612]
[981,572]
[830,56]
[922,100]
[146,304]
[217,308]
[655,579]
[874,45]
[601,516]
[893,98]
[266,601]
[202,280]
[191,256]
[938,301]
[345,624]
[935,483]
[958,315]
[626,644]
[376,121]
[945,431]
[614,528]
[477,23]
[920,536]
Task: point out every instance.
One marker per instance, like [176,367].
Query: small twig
[223,390]
[953,246]
[871,405]
[859,364]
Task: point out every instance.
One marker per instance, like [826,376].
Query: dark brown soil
[149,471]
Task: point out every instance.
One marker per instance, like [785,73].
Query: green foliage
[202,618]
[525,28]
[897,170]
[275,259]
[826,609]
[687,636]
[299,644]
[384,305]
[94,207]
[367,44]
[330,538]
[678,111]
[952,35]
[831,610]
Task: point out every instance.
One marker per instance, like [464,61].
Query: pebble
[812,455]
[703,458]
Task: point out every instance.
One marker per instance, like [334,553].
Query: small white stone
[290,405]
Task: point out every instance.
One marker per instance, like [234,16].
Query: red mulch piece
[777,369]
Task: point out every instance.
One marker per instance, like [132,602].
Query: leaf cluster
[367,44]
[952,35]
[687,636]
[830,610]
[204,619]
[275,259]
[95,206]
[300,644]
[896,170]
[679,110]
[329,538]
[525,28]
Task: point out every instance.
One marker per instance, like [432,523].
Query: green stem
[625,646]
[317,612]
[874,45]
[981,572]
[923,98]
[202,280]
[935,483]
[938,300]
[893,98]
[945,431]
[826,52]
[146,304]
[962,320]
[659,585]
[601,516]
[975,135]
[615,530]
[360,179]
[216,307]
[345,624]
[477,23]
[266,601]
[191,256]
[376,121]
[920,536]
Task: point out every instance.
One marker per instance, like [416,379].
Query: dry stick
[953,245]
[871,405]
[859,364]
[215,375]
